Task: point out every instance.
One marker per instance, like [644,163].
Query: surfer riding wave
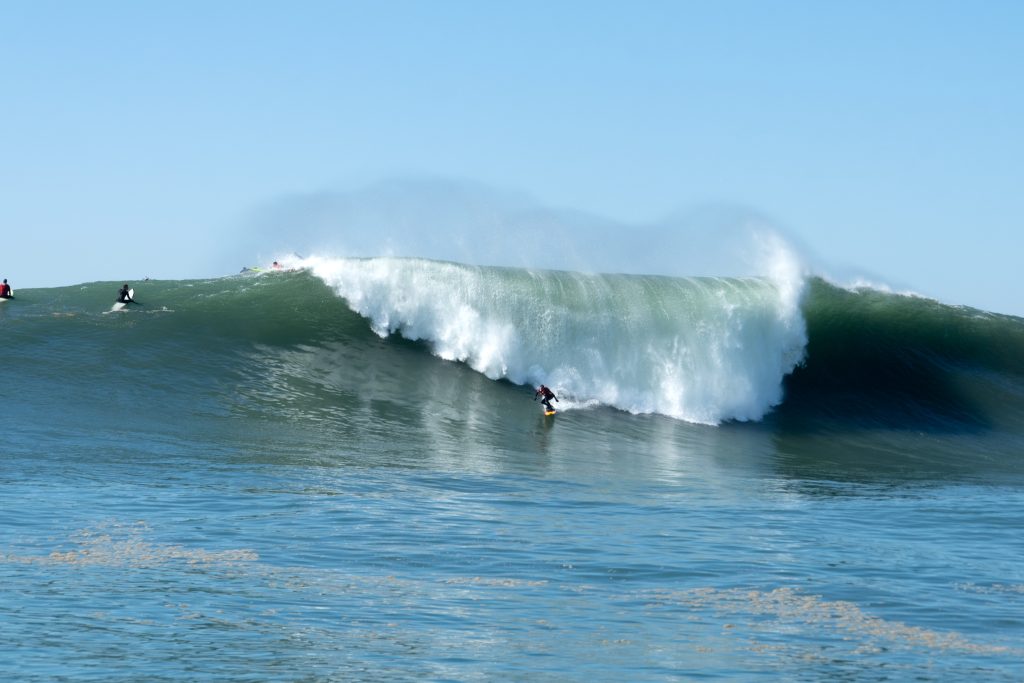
[547,395]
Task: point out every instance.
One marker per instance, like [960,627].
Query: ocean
[340,473]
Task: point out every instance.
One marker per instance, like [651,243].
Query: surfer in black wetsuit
[5,290]
[547,395]
[123,296]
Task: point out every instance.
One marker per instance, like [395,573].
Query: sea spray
[698,349]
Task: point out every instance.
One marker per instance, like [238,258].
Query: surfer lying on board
[5,290]
[124,296]
[548,395]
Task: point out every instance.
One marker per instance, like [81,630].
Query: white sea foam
[698,349]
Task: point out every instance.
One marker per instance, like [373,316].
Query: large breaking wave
[802,357]
[699,349]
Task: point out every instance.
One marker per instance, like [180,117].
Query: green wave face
[876,359]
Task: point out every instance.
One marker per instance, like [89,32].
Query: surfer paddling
[546,395]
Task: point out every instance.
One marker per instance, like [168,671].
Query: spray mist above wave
[478,225]
[699,349]
[520,291]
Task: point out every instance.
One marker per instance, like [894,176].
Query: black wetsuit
[548,395]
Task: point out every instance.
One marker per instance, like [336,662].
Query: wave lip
[703,350]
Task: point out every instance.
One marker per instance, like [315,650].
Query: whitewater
[698,349]
[337,471]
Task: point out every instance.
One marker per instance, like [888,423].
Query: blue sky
[886,137]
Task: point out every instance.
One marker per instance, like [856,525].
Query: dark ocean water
[339,474]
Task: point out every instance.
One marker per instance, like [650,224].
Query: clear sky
[887,137]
